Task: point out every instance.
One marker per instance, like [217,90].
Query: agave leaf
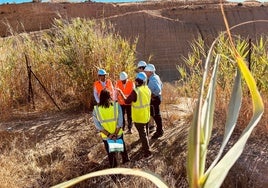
[193,147]
[219,172]
[194,132]
[207,117]
[193,152]
[232,116]
[111,171]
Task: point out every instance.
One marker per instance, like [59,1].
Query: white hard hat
[102,72]
[150,68]
[142,76]
[123,76]
[142,64]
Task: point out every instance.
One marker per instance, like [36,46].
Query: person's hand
[118,90]
[113,136]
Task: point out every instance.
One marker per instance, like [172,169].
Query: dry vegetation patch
[49,148]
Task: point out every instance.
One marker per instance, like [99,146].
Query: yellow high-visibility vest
[108,118]
[141,108]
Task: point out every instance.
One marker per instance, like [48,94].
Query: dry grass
[245,112]
[64,62]
[46,149]
[65,145]
[251,169]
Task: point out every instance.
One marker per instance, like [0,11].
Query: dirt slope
[164,29]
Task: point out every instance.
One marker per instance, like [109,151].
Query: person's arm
[116,92]
[113,96]
[133,85]
[131,98]
[155,86]
[119,123]
[96,95]
[109,86]
[96,121]
[99,127]
[120,117]
[120,92]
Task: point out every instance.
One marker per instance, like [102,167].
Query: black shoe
[157,135]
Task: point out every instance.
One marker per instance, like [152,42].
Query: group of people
[139,101]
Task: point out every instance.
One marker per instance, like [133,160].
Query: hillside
[164,29]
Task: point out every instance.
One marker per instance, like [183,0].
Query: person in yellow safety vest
[140,68]
[102,83]
[107,117]
[140,109]
[126,86]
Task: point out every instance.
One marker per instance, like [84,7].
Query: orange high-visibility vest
[109,87]
[126,89]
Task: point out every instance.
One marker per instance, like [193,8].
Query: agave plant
[201,127]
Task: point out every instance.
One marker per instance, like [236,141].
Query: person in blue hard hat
[155,85]
[139,99]
[102,83]
[140,68]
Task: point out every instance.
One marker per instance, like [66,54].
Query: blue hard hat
[101,72]
[142,76]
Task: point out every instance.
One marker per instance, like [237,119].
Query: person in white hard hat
[102,83]
[141,66]
[155,84]
[126,86]
[139,99]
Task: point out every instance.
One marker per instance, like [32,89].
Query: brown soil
[52,132]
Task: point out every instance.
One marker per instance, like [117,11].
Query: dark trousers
[155,113]
[143,133]
[112,155]
[126,109]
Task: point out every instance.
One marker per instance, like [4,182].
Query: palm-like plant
[201,128]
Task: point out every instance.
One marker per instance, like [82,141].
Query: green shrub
[64,60]
[191,71]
